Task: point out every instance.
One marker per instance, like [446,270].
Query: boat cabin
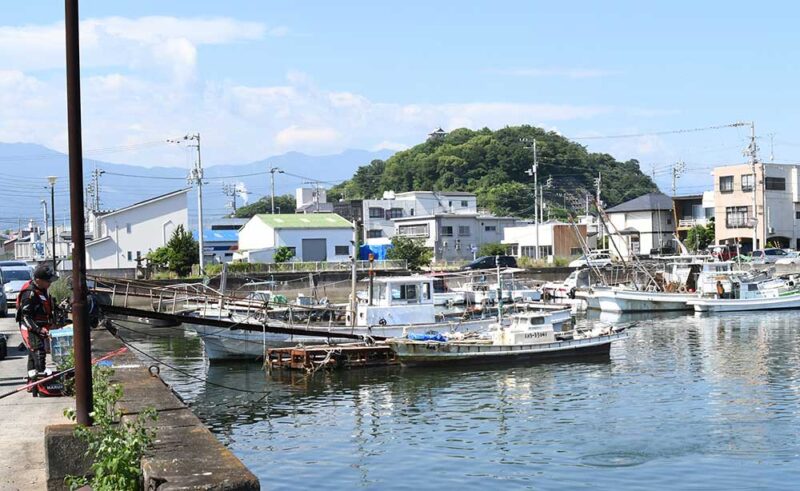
[397,300]
[532,327]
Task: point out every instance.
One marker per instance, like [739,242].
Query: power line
[660,133]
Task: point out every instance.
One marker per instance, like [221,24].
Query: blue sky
[258,78]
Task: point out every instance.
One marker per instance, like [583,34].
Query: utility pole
[52,181]
[752,152]
[80,309]
[771,147]
[677,171]
[597,183]
[96,173]
[196,177]
[272,171]
[230,190]
[534,171]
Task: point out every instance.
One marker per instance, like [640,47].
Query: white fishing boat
[394,306]
[751,293]
[668,290]
[530,337]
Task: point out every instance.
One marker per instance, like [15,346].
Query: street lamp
[52,181]
[272,171]
[44,217]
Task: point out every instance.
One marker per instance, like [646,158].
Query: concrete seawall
[185,455]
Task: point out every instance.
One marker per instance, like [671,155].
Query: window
[413,230]
[545,251]
[374,234]
[463,230]
[376,212]
[775,184]
[426,291]
[341,250]
[404,292]
[464,203]
[394,213]
[128,227]
[726,184]
[490,228]
[797,215]
[411,212]
[747,183]
[575,251]
[737,216]
[528,251]
[446,231]
[513,249]
[130,256]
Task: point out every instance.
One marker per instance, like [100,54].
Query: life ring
[382,322]
[682,289]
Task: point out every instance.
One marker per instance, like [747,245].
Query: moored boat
[749,293]
[530,337]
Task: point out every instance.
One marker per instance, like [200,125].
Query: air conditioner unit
[771,230]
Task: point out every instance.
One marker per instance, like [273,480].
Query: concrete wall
[256,235]
[333,237]
[138,229]
[655,229]
[775,209]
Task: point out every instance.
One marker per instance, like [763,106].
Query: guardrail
[317,266]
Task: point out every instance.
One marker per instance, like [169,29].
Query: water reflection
[686,400]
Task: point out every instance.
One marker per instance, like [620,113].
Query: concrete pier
[39,450]
[24,420]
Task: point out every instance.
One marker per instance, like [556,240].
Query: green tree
[413,251]
[699,236]
[178,255]
[493,249]
[283,254]
[494,165]
[283,204]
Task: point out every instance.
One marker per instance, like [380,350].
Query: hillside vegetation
[493,165]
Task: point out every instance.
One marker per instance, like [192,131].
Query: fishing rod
[108,355]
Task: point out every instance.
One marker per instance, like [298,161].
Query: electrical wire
[184,372]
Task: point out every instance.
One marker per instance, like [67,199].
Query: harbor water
[687,401]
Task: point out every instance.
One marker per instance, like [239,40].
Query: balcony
[687,223]
[38,251]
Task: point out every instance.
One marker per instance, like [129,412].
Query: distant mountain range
[24,168]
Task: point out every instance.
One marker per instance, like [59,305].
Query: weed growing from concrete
[116,447]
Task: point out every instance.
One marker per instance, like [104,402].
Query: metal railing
[320,266]
[692,222]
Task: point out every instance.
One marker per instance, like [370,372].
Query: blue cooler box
[60,343]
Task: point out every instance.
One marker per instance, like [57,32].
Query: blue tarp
[427,337]
[379,251]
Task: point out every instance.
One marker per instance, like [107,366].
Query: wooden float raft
[331,357]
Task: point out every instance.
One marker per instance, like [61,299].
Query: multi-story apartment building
[766,206]
[454,236]
[379,214]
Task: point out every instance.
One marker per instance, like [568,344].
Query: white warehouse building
[122,235]
[312,237]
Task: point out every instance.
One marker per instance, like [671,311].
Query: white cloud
[145,87]
[390,145]
[123,42]
[574,73]
[295,136]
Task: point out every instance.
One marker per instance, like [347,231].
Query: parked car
[595,259]
[768,256]
[791,257]
[490,262]
[724,252]
[14,278]
[12,262]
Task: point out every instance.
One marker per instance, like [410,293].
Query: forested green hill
[492,164]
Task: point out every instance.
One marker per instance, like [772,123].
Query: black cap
[45,272]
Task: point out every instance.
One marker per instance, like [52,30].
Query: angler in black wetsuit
[35,315]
